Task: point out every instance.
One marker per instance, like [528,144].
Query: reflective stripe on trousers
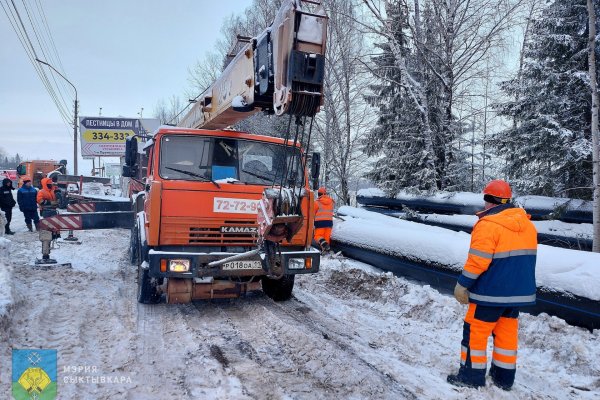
[480,323]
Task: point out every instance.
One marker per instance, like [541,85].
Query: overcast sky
[121,55]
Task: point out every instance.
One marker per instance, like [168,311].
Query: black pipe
[566,242]
[429,206]
[575,310]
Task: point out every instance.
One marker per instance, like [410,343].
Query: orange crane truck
[226,212]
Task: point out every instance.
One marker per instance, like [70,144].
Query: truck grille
[182,231]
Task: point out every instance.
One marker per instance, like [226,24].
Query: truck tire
[147,291]
[279,289]
[133,246]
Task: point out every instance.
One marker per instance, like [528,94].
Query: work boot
[29,227]
[9,232]
[37,226]
[457,380]
[324,245]
[502,378]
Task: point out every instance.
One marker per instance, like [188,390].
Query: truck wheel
[279,289]
[147,291]
[133,246]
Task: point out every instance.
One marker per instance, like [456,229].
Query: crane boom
[279,71]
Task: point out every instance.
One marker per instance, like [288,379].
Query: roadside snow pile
[565,270]
[6,298]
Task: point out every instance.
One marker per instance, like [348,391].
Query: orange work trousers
[480,323]
[323,233]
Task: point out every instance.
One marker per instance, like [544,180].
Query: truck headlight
[179,265]
[296,263]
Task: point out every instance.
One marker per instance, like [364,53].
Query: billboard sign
[102,136]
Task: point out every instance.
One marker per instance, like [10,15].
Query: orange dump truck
[196,231]
[38,169]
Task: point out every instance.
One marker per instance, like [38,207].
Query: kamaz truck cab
[202,196]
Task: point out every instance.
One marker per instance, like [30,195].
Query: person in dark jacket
[498,278]
[26,197]
[7,202]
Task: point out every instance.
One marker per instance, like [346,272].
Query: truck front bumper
[293,262]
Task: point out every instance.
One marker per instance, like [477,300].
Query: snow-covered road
[350,332]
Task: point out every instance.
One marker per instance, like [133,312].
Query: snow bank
[6,297]
[567,270]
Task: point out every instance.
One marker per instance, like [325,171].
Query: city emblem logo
[34,374]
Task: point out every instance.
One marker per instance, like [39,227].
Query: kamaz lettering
[239,229]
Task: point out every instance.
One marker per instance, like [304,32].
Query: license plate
[235,206]
[237,265]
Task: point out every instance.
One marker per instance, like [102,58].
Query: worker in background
[27,199]
[7,202]
[46,199]
[323,219]
[498,278]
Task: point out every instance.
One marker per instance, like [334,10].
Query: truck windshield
[201,158]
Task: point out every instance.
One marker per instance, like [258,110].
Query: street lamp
[75,116]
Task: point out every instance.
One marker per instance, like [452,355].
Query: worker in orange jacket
[46,198]
[323,219]
[498,278]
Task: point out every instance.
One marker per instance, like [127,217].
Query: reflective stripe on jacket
[324,212]
[500,268]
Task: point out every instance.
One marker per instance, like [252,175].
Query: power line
[42,49]
[21,32]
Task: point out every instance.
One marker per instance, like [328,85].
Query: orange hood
[514,219]
[45,182]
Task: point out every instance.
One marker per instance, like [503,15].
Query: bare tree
[169,113]
[345,117]
[595,145]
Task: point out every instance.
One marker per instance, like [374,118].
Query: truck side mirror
[129,171]
[315,169]
[21,170]
[131,151]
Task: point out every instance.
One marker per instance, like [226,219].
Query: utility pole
[74,116]
[100,112]
[75,135]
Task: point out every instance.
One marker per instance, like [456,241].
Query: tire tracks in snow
[276,350]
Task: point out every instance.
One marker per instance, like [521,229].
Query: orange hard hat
[25,178]
[498,188]
[322,190]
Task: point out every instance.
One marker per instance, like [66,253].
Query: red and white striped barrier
[62,223]
[82,207]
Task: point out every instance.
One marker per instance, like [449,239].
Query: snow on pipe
[575,310]
[561,212]
[566,242]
